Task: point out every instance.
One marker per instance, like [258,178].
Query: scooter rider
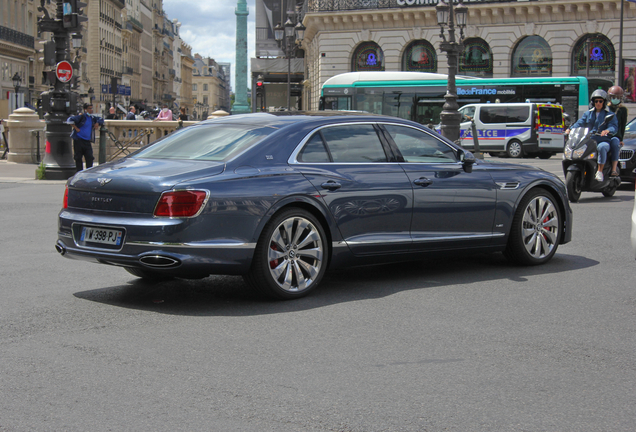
[593,119]
[615,94]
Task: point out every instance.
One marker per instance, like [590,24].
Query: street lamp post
[289,38]
[16,85]
[451,16]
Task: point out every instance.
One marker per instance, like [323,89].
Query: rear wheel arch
[304,204]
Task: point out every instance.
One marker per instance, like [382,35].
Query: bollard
[478,153]
[102,144]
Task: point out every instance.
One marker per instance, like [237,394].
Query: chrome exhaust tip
[60,248]
[159,261]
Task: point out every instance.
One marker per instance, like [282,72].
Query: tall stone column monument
[240,74]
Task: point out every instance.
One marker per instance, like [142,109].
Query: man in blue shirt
[594,119]
[82,135]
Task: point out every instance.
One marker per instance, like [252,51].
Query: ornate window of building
[593,55]
[532,57]
[476,58]
[419,56]
[368,56]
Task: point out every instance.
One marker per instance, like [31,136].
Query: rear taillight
[65,202]
[184,203]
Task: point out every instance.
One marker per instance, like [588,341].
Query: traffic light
[73,14]
[49,53]
[260,94]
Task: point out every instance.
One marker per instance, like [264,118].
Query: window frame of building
[482,68]
[538,51]
[602,56]
[427,55]
[366,52]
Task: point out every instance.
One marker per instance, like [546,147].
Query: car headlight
[579,152]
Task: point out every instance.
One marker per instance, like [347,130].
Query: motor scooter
[580,163]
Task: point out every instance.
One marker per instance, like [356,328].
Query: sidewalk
[11,172]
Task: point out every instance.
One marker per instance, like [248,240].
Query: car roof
[285,118]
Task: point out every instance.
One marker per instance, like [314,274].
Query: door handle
[331,185]
[423,181]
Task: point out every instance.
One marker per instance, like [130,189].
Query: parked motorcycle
[580,163]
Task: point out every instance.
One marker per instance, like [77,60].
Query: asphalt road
[473,344]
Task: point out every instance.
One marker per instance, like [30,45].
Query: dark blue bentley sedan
[281,197]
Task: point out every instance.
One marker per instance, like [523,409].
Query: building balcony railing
[338,5]
[16,37]
[172,72]
[126,70]
[136,24]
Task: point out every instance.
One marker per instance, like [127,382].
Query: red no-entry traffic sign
[64,71]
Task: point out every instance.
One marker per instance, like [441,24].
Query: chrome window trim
[293,158]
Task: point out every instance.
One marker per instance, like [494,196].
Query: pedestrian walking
[3,139]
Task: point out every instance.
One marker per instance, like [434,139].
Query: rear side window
[550,116]
[354,143]
[314,151]
[504,114]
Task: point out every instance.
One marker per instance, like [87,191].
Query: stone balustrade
[132,135]
[27,140]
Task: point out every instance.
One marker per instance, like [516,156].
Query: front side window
[354,143]
[501,114]
[419,147]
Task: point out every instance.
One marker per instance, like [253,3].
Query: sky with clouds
[209,27]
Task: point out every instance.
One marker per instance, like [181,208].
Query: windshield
[631,127]
[576,135]
[207,142]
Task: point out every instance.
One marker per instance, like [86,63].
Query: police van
[514,129]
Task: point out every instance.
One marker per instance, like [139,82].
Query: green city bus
[419,96]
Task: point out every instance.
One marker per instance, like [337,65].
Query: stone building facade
[18,52]
[132,41]
[531,38]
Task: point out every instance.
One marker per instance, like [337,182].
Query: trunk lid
[133,185]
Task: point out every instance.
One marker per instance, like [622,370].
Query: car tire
[573,185]
[291,256]
[536,229]
[148,275]
[514,149]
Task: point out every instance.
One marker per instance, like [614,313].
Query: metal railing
[16,37]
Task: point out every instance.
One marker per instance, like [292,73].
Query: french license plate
[623,165]
[101,235]
[544,141]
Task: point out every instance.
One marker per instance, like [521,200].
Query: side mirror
[608,118]
[467,159]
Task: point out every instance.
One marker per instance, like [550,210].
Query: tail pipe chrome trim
[159,261]
[60,248]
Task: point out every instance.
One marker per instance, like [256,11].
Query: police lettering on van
[514,129]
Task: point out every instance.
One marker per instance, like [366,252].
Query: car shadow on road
[230,296]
